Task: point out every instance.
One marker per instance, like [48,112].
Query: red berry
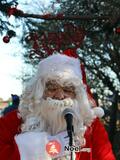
[6,39]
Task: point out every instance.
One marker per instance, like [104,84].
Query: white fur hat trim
[60,66]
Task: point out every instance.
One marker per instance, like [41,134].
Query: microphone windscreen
[68,111]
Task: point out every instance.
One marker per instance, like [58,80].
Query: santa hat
[60,67]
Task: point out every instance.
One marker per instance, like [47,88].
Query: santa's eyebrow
[51,84]
[54,84]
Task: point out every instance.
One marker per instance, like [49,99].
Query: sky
[11,63]
[11,66]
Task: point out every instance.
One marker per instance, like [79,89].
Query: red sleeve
[9,127]
[101,145]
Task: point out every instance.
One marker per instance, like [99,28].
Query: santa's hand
[31,145]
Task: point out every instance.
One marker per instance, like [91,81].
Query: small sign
[53,148]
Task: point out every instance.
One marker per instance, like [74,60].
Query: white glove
[41,146]
[31,145]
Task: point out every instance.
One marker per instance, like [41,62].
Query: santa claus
[38,129]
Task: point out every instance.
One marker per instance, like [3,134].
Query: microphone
[68,115]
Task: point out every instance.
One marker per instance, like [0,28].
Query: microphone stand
[70,134]
[70,131]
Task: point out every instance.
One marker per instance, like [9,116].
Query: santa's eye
[69,89]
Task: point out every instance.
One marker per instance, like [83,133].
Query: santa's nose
[59,94]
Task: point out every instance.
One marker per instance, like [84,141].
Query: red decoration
[12,11]
[35,45]
[6,39]
[71,53]
[60,15]
[58,40]
[48,42]
[46,16]
[9,35]
[117,30]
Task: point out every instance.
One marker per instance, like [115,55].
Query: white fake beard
[47,116]
[51,112]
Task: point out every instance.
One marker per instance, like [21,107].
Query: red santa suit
[96,139]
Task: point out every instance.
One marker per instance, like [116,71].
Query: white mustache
[60,103]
